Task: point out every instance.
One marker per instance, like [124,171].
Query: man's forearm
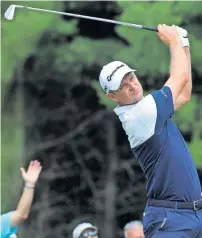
[186,92]
[185,95]
[25,202]
[178,67]
[30,177]
[178,72]
[23,208]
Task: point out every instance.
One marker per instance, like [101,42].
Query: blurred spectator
[11,220]
[134,229]
[85,230]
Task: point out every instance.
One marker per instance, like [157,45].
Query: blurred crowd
[12,219]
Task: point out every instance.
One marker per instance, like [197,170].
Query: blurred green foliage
[20,36]
[11,157]
[19,40]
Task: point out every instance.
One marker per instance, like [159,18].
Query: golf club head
[9,14]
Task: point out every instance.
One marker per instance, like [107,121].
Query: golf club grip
[149,28]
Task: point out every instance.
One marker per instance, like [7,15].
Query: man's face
[130,91]
[135,232]
[89,233]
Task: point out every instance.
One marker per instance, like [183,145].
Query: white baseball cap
[81,227]
[112,74]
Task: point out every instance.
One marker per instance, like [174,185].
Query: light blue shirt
[6,229]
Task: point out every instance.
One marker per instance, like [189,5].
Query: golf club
[9,14]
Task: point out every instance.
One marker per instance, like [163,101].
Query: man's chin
[137,99]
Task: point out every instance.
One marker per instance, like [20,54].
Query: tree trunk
[110,191]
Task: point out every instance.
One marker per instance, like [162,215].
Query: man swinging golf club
[173,188]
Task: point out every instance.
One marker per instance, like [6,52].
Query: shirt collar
[121,109]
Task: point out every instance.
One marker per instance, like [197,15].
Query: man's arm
[178,71]
[30,177]
[185,95]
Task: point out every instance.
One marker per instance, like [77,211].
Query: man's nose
[131,83]
[131,86]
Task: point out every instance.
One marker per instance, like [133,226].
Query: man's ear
[112,97]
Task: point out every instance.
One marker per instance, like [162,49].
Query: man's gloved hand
[183,37]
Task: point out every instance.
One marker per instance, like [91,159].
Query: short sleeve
[139,122]
[164,104]
[6,229]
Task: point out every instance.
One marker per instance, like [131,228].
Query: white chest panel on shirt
[138,120]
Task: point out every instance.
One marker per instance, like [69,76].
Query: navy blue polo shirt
[160,149]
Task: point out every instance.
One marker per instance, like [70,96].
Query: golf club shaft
[96,19]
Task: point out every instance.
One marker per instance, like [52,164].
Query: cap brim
[91,228]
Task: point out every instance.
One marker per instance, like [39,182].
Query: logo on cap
[109,78]
[105,89]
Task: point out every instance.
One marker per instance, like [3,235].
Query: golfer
[174,201]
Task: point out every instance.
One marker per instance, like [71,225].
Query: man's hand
[169,34]
[183,37]
[23,209]
[32,174]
